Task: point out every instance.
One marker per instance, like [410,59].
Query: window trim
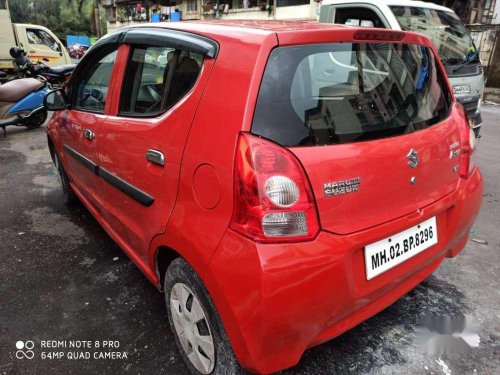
[171,38]
[161,37]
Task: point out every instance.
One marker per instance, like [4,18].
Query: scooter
[21,103]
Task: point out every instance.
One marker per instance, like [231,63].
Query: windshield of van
[325,94]
[452,40]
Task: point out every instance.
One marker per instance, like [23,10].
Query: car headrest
[188,65]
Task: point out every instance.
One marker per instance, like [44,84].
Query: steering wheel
[94,94]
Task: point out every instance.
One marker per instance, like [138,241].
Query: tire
[197,302]
[69,196]
[36,121]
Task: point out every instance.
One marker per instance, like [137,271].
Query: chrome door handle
[89,134]
[155,156]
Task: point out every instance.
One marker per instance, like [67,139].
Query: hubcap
[191,326]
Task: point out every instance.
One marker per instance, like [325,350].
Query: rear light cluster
[273,201]
[385,35]
[467,144]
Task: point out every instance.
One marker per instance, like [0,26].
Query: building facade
[121,13]
[472,12]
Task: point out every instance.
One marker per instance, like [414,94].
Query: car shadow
[381,340]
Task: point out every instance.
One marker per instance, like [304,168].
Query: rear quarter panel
[195,229]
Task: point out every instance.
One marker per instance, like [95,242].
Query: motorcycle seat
[17,89]
[63,69]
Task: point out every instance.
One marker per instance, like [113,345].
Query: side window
[41,37]
[92,89]
[156,79]
[359,16]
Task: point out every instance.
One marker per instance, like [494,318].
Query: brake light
[273,201]
[467,144]
[391,36]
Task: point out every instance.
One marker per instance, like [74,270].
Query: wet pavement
[62,278]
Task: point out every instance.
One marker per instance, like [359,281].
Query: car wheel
[195,323]
[69,196]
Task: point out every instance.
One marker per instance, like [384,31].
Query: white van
[440,24]
[38,41]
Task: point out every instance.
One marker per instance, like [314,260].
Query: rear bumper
[278,300]
[471,105]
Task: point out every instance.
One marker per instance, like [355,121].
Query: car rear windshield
[325,94]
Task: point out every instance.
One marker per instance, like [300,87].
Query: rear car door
[142,141]
[88,93]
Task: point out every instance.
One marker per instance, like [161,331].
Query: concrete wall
[306,11]
[493,70]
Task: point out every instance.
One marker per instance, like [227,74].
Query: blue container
[77,39]
[155,17]
[176,16]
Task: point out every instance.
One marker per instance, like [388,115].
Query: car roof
[261,31]
[405,3]
[226,28]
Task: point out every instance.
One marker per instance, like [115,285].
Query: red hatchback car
[280,182]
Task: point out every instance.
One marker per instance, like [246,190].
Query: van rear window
[324,94]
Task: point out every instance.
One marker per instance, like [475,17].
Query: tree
[20,11]
[63,17]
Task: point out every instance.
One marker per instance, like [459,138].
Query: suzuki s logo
[412,158]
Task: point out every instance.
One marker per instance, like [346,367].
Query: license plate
[461,89]
[391,251]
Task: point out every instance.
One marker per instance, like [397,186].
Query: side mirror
[55,100]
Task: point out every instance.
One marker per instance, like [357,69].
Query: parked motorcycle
[55,76]
[21,103]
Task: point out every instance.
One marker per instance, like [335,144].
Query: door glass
[444,29]
[363,17]
[156,79]
[92,89]
[41,37]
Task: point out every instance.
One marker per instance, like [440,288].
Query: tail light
[385,35]
[467,144]
[273,201]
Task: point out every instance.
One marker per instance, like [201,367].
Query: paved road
[62,278]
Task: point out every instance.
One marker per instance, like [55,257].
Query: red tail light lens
[467,144]
[273,201]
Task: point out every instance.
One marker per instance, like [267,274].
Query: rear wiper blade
[461,66]
[473,57]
